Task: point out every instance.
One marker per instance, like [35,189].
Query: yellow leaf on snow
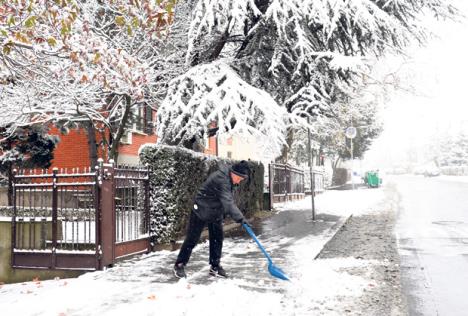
[97,58]
[120,20]
[52,41]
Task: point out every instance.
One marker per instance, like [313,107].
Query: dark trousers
[194,230]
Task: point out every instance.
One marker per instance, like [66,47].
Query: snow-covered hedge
[175,176]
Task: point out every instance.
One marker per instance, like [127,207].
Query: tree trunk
[10,185]
[114,150]
[92,145]
[334,173]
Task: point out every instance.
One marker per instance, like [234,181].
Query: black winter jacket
[214,198]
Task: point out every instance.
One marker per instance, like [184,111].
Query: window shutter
[149,128]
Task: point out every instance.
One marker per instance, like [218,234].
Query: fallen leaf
[189,286]
[152,297]
[64,283]
[36,279]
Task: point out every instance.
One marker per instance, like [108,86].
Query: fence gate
[79,219]
[132,223]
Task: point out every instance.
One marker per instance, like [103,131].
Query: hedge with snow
[175,176]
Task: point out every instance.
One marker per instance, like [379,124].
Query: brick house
[72,150]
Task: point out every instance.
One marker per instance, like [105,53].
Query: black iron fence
[289,183]
[79,219]
[286,182]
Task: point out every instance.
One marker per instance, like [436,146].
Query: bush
[175,176]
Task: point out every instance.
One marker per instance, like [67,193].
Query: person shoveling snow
[213,199]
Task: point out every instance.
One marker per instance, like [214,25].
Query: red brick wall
[212,146]
[137,141]
[72,149]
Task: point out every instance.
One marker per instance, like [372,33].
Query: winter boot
[218,271]
[179,270]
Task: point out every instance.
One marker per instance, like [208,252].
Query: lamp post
[311,164]
[350,133]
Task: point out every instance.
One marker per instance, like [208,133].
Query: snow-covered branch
[214,93]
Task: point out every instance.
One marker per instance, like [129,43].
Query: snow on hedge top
[150,146]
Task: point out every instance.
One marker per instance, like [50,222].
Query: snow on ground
[463,179]
[340,203]
[145,285]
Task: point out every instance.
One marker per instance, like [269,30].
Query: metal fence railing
[78,219]
[288,183]
[285,182]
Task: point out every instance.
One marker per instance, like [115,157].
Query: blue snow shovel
[274,270]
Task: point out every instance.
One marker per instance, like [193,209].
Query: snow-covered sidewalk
[145,285]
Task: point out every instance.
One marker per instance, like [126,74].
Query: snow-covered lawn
[145,285]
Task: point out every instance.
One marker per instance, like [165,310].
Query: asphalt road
[432,235]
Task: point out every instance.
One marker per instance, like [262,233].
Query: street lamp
[311,163]
[350,133]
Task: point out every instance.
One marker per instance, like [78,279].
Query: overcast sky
[438,72]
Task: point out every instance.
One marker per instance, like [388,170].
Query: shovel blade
[277,272]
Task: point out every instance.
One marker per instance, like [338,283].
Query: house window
[143,119]
[229,154]
[139,118]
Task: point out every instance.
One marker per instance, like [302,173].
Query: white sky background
[438,72]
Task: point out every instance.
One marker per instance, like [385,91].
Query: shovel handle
[251,233]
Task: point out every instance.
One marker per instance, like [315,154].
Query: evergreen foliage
[306,56]
[29,147]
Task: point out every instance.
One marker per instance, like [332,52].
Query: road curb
[339,226]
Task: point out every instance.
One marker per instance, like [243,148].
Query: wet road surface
[432,231]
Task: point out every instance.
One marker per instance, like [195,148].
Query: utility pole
[351,133]
[312,180]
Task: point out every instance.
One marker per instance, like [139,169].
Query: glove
[244,221]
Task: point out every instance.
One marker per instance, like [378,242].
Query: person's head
[240,171]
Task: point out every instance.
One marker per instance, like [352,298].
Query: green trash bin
[373,179]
